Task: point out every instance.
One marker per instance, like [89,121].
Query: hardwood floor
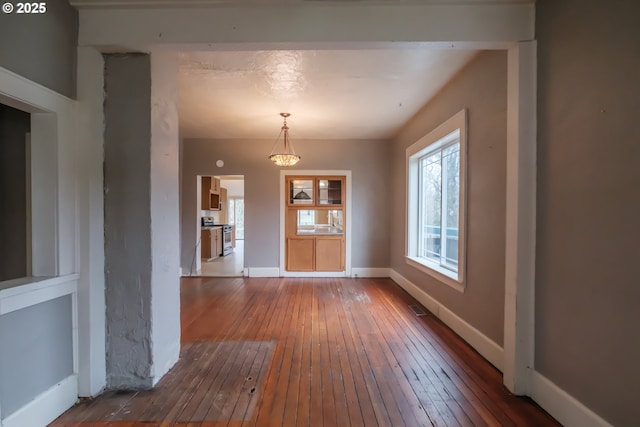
[313,352]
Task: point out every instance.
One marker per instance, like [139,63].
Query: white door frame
[347,235]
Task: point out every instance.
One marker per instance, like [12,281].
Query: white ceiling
[331,94]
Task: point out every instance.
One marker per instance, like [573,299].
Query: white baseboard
[370,272]
[480,342]
[263,272]
[47,406]
[561,405]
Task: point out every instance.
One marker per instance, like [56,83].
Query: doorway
[226,224]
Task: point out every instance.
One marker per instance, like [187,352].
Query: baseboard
[561,405]
[47,406]
[370,272]
[476,339]
[263,272]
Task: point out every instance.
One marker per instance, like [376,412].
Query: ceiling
[331,94]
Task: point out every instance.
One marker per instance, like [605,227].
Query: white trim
[23,94]
[370,272]
[561,405]
[437,272]
[89,122]
[476,339]
[520,218]
[47,406]
[283,203]
[40,290]
[262,272]
[443,134]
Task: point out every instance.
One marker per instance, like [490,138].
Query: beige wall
[588,218]
[481,88]
[368,161]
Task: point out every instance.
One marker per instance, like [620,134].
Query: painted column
[141,219]
[520,242]
[89,161]
[165,212]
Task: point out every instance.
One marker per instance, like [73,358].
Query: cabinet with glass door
[314,223]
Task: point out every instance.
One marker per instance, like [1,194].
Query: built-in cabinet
[211,195]
[211,242]
[314,223]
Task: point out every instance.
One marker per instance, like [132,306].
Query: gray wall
[127,223]
[481,88]
[36,351]
[42,47]
[588,227]
[368,161]
[14,125]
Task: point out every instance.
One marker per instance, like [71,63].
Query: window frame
[436,140]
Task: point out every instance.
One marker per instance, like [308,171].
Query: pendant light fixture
[288,157]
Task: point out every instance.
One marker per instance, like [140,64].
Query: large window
[435,205]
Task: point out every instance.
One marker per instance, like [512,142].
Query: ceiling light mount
[288,157]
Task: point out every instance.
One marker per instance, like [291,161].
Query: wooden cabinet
[314,223]
[315,191]
[215,185]
[205,190]
[315,254]
[300,254]
[329,254]
[223,216]
[210,193]
[205,244]
[219,243]
[211,243]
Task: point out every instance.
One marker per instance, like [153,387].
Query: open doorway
[222,229]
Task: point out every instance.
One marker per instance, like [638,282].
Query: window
[436,170]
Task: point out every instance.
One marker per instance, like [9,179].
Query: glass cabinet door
[301,192]
[330,191]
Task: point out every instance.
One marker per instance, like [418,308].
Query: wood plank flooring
[313,352]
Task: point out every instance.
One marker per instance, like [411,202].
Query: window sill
[25,292]
[443,275]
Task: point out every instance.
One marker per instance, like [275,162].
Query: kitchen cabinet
[210,193]
[215,185]
[205,244]
[205,190]
[223,216]
[211,243]
[219,241]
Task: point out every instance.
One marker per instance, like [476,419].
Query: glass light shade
[288,157]
[284,159]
